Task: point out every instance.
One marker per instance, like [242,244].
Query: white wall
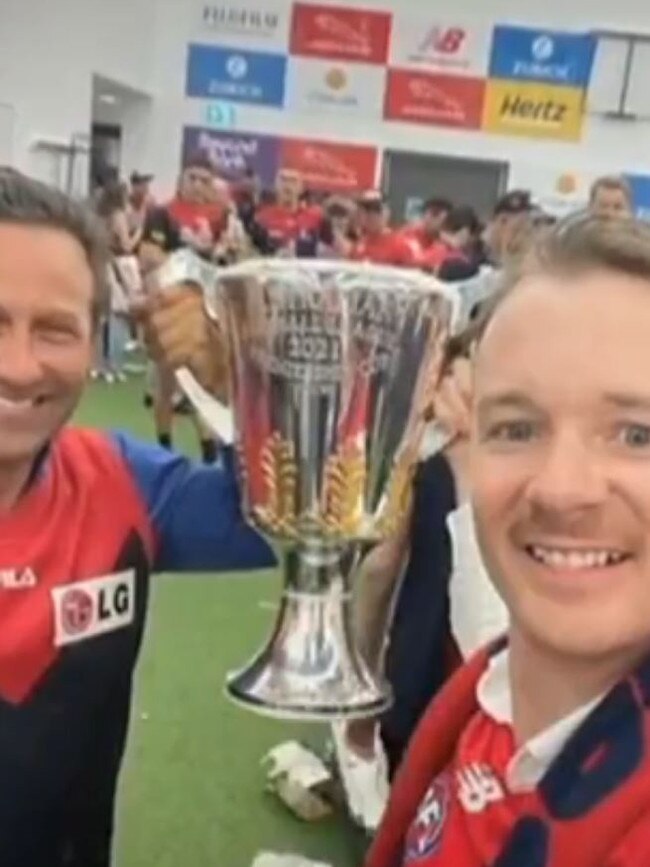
[606,145]
[48,54]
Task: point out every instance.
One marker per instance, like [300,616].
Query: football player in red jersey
[536,752]
[458,232]
[426,231]
[193,218]
[378,243]
[289,216]
[86,518]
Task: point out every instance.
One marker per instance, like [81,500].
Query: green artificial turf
[192,790]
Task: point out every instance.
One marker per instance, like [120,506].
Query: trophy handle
[212,411]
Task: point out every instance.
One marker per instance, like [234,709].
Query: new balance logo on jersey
[17,579]
[95,607]
[478,787]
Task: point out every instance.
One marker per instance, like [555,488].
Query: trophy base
[322,713]
[311,669]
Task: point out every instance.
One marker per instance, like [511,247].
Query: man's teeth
[7,403]
[567,559]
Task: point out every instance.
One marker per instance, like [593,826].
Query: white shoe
[365,781]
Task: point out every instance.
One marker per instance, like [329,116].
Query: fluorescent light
[107,98]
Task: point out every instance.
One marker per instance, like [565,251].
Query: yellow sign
[534,110]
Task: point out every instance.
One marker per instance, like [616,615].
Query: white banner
[263,25]
[320,86]
[444,45]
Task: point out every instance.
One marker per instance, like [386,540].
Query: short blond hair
[575,246]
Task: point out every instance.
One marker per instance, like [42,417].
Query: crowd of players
[226,222]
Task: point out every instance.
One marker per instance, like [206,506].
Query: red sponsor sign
[333,167]
[444,100]
[340,33]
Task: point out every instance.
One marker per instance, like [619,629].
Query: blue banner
[542,55]
[238,76]
[640,186]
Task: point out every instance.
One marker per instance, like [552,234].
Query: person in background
[232,244]
[610,196]
[426,231]
[191,219]
[336,228]
[123,279]
[377,242]
[289,216]
[511,213]
[140,200]
[454,244]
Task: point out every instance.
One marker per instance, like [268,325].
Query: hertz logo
[516,107]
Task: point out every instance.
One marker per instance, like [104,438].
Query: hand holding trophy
[329,365]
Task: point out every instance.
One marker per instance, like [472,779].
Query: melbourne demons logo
[425,834]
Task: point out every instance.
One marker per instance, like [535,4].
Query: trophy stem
[310,669]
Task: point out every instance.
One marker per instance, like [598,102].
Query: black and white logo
[94,607]
[241,20]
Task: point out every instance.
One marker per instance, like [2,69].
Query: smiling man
[85,518]
[536,753]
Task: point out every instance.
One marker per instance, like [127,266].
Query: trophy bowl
[331,365]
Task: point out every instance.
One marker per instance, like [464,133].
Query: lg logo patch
[95,607]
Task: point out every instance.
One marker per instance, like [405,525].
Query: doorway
[410,179]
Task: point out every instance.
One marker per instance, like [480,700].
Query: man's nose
[570,477]
[20,367]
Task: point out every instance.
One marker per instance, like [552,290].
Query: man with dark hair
[536,752]
[426,231]
[511,213]
[458,233]
[377,242]
[85,519]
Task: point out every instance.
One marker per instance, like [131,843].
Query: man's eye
[57,333]
[512,431]
[635,435]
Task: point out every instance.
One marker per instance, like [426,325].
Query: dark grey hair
[28,202]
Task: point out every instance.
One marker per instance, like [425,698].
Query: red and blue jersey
[102,514]
[451,805]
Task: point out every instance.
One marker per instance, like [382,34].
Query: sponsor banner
[542,55]
[557,190]
[534,110]
[444,100]
[238,76]
[640,186]
[442,45]
[340,33]
[318,86]
[331,166]
[232,153]
[258,25]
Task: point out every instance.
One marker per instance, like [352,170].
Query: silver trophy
[331,365]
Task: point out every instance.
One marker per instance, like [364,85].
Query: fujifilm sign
[241,20]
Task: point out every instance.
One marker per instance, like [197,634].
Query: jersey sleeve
[194,510]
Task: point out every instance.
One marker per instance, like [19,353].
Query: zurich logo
[236,66]
[543,48]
